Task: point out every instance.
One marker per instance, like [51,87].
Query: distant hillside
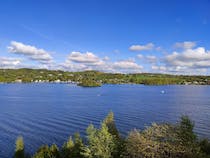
[42,75]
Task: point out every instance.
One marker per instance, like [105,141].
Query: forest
[156,141]
[96,78]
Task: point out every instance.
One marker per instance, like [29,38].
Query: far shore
[96,78]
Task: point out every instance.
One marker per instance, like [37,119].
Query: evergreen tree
[47,152]
[205,146]
[67,148]
[19,149]
[119,142]
[158,140]
[100,142]
[54,151]
[110,123]
[43,152]
[187,137]
[73,148]
[185,131]
[78,146]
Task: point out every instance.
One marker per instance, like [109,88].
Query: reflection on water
[49,113]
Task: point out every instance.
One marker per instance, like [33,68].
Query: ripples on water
[50,113]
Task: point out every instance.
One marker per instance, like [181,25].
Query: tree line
[156,141]
[95,78]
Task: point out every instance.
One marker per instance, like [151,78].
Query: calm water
[50,113]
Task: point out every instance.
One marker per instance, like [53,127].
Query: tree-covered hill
[87,78]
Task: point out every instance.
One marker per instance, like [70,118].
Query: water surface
[50,113]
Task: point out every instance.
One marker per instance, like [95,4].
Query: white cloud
[77,61]
[70,66]
[83,57]
[127,66]
[159,68]
[197,58]
[159,49]
[30,51]
[146,47]
[116,51]
[151,58]
[188,61]
[140,56]
[6,62]
[185,45]
[106,58]
[148,59]
[179,70]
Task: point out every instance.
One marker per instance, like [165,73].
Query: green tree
[78,146]
[47,152]
[185,131]
[100,142]
[205,147]
[110,123]
[67,148]
[119,142]
[73,148]
[54,151]
[187,137]
[19,149]
[158,141]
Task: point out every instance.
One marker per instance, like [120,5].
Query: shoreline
[91,78]
[76,83]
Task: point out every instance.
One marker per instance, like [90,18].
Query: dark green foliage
[157,141]
[89,83]
[110,123]
[67,148]
[47,152]
[19,149]
[205,146]
[73,148]
[187,137]
[167,141]
[185,131]
[54,151]
[119,142]
[78,146]
[100,143]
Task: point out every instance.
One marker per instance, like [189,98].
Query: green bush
[156,141]
[19,149]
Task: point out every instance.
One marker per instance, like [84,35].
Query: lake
[50,113]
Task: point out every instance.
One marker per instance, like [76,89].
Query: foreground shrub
[100,142]
[164,141]
[19,149]
[118,140]
[47,152]
[73,148]
[205,147]
[157,141]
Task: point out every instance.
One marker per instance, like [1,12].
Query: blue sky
[125,36]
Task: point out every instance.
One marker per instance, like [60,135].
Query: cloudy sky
[126,36]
